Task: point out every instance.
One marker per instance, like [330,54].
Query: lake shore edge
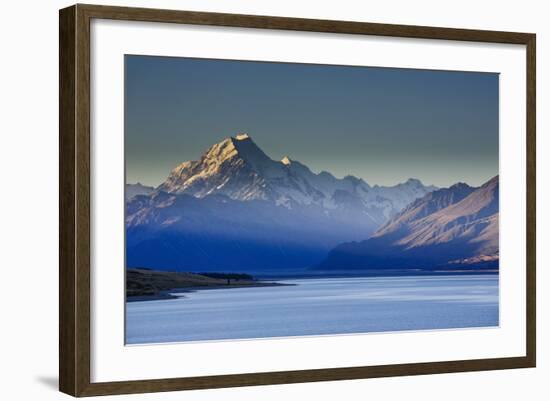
[150,285]
[143,284]
[168,294]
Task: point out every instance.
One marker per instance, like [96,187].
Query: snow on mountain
[455,227]
[422,207]
[238,168]
[236,208]
[132,190]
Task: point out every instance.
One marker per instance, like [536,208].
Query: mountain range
[235,208]
[455,227]
[238,168]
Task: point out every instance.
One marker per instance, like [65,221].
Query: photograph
[270,200]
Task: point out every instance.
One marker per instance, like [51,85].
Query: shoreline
[167,293]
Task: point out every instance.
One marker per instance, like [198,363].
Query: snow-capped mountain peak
[242,136]
[247,150]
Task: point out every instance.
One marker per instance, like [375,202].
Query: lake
[317,306]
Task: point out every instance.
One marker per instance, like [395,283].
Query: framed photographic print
[250,200]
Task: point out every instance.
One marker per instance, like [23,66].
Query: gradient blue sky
[381,124]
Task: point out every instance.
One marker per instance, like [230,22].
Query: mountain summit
[233,167]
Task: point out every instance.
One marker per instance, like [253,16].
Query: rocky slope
[454,227]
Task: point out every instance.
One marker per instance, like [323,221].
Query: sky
[384,125]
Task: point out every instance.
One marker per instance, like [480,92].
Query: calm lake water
[316,307]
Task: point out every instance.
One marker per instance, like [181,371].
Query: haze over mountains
[452,227]
[236,209]
[132,190]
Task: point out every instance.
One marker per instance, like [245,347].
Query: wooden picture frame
[74,203]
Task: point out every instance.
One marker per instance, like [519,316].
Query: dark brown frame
[74,199]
